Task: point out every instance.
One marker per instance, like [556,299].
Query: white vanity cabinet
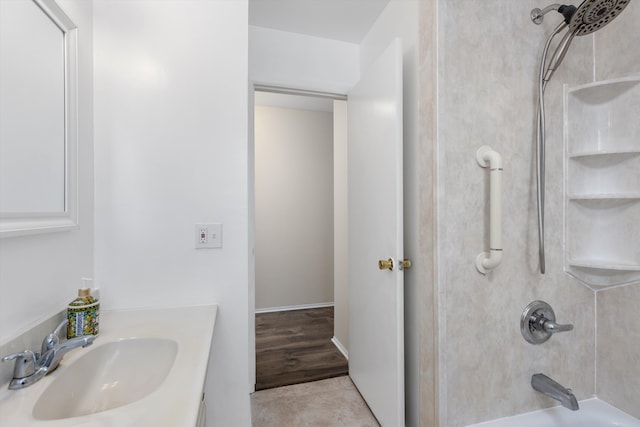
[602,182]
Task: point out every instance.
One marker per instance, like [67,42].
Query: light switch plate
[208,235]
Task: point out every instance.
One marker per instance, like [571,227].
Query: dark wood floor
[295,346]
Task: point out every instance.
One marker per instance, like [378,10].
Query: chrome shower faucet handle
[538,323]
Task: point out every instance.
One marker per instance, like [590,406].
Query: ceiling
[344,20]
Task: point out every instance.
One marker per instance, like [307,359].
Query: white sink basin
[110,376]
[146,368]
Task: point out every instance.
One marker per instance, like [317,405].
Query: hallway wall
[294,207]
[340,227]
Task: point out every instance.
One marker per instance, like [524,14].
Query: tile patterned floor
[327,403]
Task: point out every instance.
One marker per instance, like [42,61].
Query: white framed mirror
[38,118]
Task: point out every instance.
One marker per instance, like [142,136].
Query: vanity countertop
[174,404]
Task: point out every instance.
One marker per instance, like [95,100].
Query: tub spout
[549,387]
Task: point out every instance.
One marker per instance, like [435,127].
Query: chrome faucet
[549,387]
[31,366]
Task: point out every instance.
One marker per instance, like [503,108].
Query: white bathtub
[592,413]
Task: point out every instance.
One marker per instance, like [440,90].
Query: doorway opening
[300,236]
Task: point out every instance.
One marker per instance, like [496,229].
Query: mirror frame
[18,224]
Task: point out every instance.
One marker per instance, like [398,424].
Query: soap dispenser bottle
[83,314]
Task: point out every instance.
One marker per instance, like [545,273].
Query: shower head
[592,15]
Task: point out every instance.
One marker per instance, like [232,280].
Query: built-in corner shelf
[602,182]
[598,196]
[612,154]
[602,265]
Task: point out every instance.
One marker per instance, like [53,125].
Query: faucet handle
[54,338]
[554,327]
[25,363]
[538,323]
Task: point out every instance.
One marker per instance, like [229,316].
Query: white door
[376,309]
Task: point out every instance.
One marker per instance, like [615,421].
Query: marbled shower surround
[478,69]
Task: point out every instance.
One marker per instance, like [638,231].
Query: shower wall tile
[488,54]
[617,54]
[428,332]
[487,64]
[618,353]
[617,46]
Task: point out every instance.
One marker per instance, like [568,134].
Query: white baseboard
[294,307]
[340,347]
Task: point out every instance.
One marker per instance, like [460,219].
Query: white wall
[294,207]
[171,150]
[340,226]
[297,61]
[40,274]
